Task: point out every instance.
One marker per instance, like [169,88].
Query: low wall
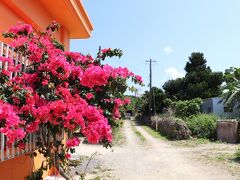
[227,131]
[16,169]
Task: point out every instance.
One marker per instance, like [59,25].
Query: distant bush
[187,108]
[203,126]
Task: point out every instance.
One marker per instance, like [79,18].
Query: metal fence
[32,138]
[13,151]
[6,151]
[8,52]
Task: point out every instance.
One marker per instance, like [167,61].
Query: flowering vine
[60,90]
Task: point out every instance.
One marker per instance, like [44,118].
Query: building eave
[72,15]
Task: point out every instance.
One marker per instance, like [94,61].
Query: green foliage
[197,63]
[187,108]
[192,142]
[111,53]
[147,97]
[174,89]
[153,133]
[37,175]
[138,134]
[237,154]
[118,136]
[203,126]
[199,81]
[231,87]
[167,102]
[133,106]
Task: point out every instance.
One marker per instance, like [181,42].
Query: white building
[217,106]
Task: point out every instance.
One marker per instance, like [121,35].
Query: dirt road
[153,160]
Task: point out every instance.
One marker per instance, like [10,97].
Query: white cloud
[173,73]
[168,49]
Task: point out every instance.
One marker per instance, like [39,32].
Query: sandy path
[155,160]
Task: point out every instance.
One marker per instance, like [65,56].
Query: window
[228,109]
[209,109]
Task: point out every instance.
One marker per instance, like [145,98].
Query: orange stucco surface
[39,13]
[15,169]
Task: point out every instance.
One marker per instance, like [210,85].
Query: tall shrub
[187,108]
[203,126]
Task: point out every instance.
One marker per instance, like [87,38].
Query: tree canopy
[159,96]
[199,82]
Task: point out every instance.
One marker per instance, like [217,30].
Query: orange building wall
[8,19]
[37,13]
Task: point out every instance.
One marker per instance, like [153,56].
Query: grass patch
[119,138]
[139,135]
[100,172]
[192,142]
[237,154]
[77,162]
[225,157]
[229,161]
[153,132]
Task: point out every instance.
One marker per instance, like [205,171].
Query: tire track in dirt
[153,160]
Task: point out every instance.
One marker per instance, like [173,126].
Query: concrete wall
[227,131]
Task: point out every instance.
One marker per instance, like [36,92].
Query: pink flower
[67,156]
[94,76]
[21,41]
[73,142]
[13,134]
[7,73]
[139,78]
[21,145]
[21,29]
[106,50]
[45,82]
[89,96]
[70,81]
[32,127]
[127,101]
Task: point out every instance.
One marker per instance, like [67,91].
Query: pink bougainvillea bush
[60,90]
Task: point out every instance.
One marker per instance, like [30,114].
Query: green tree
[148,108]
[199,81]
[175,89]
[197,63]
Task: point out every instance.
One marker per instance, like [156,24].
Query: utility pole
[99,53]
[152,96]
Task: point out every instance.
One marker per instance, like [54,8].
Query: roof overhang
[72,15]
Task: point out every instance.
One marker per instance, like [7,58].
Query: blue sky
[167,31]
